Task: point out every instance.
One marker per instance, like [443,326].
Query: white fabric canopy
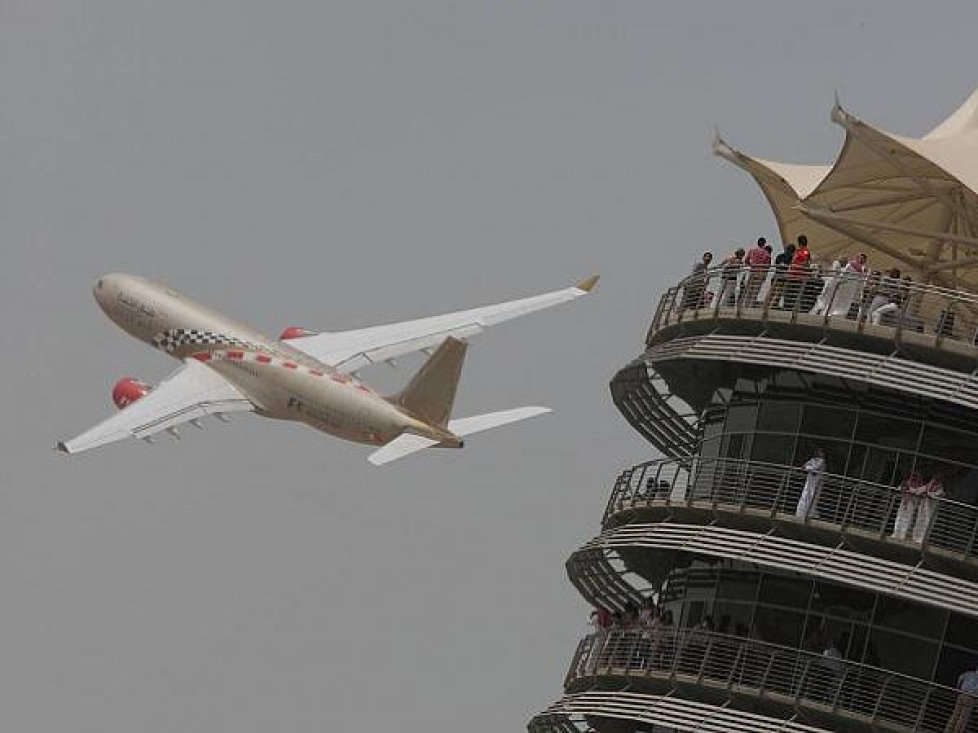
[907,202]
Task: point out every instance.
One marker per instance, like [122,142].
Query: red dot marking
[202,356]
[263,359]
[316,373]
[290,365]
[235,355]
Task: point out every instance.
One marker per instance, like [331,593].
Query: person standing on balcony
[695,289]
[597,622]
[850,285]
[781,264]
[827,296]
[662,641]
[798,273]
[911,489]
[813,485]
[968,691]
[758,261]
[729,272]
[929,501]
[888,296]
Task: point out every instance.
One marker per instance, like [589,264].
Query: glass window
[832,421]
[962,631]
[945,443]
[735,446]
[732,618]
[880,466]
[741,418]
[712,423]
[896,613]
[737,586]
[779,417]
[789,592]
[710,449]
[880,429]
[902,653]
[842,602]
[778,449]
[777,626]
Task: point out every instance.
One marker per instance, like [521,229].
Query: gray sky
[336,165]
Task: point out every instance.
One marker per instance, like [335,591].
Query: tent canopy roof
[910,203]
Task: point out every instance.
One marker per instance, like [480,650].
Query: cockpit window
[99,284]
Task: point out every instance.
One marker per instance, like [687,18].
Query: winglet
[587,285]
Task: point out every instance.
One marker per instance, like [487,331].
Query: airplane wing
[191,392]
[352,350]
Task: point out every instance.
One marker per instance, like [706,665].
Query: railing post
[970,547]
[782,487]
[767,672]
[885,519]
[703,661]
[573,670]
[839,686]
[799,684]
[879,698]
[936,505]
[918,723]
[733,665]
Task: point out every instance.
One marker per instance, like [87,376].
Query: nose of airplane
[106,289]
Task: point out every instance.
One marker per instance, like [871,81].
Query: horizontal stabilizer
[403,445]
[408,443]
[478,423]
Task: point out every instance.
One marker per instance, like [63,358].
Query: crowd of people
[646,637]
[796,281]
[652,630]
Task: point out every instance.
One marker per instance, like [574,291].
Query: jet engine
[127,390]
[294,332]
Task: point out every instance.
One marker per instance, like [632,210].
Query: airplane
[303,376]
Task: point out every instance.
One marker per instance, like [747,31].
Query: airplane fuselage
[282,381]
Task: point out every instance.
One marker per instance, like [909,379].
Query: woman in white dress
[813,485]
[849,286]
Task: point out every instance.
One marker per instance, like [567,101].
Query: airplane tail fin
[408,443]
[430,394]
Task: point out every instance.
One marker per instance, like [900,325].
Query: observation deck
[925,347]
[763,680]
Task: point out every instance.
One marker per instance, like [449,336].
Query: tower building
[809,537]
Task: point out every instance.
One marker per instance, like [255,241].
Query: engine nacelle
[294,332]
[128,390]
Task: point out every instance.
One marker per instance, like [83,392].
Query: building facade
[810,535]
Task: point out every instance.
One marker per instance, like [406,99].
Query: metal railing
[847,300]
[822,683]
[886,512]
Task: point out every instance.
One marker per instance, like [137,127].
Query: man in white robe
[813,485]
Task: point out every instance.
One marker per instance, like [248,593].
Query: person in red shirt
[758,261]
[798,272]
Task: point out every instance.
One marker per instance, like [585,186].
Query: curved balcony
[642,555]
[876,518]
[621,712]
[828,690]
[902,315]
